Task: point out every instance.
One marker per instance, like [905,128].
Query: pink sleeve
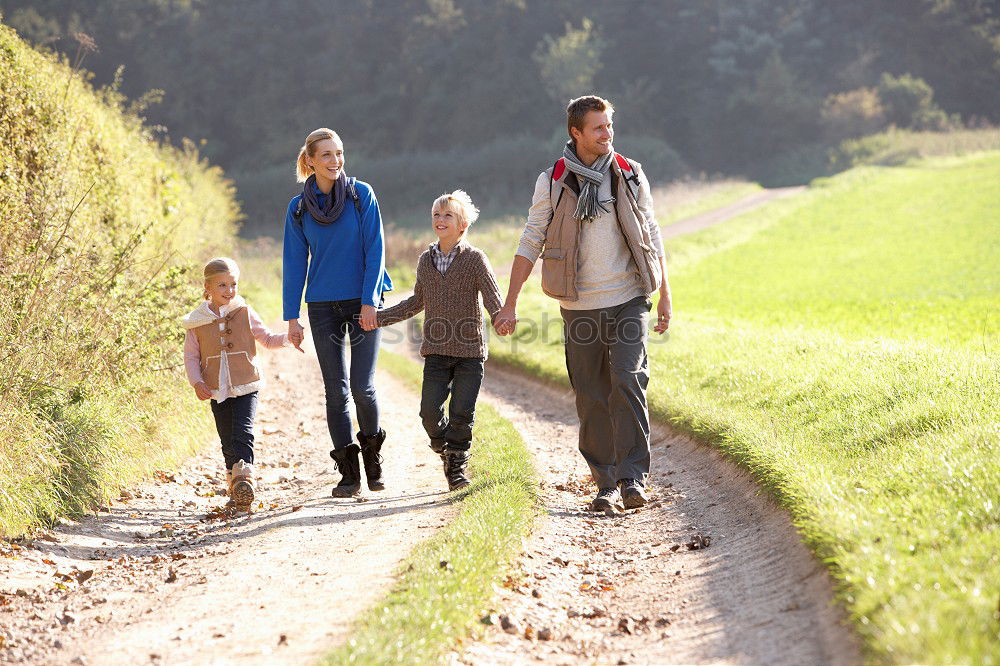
[192,358]
[265,337]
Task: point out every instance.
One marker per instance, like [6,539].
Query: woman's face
[328,159]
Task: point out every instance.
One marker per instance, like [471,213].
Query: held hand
[369,318]
[296,334]
[202,391]
[506,320]
[663,313]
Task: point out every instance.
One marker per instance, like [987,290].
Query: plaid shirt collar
[443,261]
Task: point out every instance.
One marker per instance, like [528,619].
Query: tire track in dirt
[712,571]
[279,586]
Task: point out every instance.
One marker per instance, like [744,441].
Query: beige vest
[562,237]
[237,340]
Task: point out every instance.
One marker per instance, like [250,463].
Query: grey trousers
[609,371]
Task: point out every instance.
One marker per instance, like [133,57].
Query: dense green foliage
[99,226]
[434,94]
[444,586]
[842,345]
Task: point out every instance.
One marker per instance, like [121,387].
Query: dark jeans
[609,371]
[234,421]
[461,377]
[333,323]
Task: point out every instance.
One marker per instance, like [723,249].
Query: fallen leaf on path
[282,639]
[171,575]
[296,508]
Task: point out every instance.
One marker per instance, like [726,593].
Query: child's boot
[456,461]
[349,467]
[438,446]
[370,447]
[243,488]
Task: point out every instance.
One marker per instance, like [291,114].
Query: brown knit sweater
[453,323]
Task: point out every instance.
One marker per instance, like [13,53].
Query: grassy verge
[444,586]
[102,231]
[808,345]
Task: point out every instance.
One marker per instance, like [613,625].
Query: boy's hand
[202,391]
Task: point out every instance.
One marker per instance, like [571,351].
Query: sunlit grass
[878,432]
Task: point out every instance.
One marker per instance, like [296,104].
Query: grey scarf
[588,208]
[329,213]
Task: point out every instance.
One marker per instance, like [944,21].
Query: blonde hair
[460,202]
[302,169]
[219,265]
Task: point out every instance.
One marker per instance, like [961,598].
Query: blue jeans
[462,377]
[234,421]
[333,323]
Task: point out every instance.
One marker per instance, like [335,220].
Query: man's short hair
[579,107]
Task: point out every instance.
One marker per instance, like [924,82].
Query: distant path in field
[157,578]
[709,219]
[719,215]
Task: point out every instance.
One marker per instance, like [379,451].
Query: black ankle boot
[349,467]
[370,447]
[455,463]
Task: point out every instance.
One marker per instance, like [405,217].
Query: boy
[451,274]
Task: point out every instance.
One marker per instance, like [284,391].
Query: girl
[334,247]
[220,359]
[451,274]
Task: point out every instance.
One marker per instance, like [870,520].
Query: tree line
[430,94]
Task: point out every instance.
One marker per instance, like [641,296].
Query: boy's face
[221,288]
[448,224]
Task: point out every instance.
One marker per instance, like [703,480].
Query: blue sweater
[329,258]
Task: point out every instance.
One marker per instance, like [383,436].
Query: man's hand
[506,320]
[369,318]
[296,334]
[202,391]
[663,313]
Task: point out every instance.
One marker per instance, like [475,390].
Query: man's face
[597,135]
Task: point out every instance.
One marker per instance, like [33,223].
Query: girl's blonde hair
[460,202]
[219,265]
[303,170]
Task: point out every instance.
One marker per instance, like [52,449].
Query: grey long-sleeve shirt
[606,273]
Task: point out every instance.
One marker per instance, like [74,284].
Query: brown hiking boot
[243,488]
[633,493]
[605,500]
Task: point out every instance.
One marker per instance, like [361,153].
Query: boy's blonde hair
[460,202]
[303,170]
[219,265]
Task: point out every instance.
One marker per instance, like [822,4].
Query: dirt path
[154,580]
[719,215]
[710,572]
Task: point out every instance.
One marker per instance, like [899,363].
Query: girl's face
[221,289]
[448,224]
[328,160]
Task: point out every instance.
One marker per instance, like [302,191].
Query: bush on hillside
[99,227]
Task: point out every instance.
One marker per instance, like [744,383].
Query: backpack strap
[555,174]
[630,172]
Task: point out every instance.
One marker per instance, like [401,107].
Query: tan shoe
[243,487]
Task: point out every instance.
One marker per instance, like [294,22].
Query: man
[591,221]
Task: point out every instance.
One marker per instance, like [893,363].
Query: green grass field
[842,345]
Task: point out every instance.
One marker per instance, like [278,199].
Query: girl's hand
[202,391]
[369,320]
[296,334]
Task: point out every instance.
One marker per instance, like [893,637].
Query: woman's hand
[369,318]
[202,391]
[296,334]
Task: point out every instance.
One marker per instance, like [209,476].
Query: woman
[334,247]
